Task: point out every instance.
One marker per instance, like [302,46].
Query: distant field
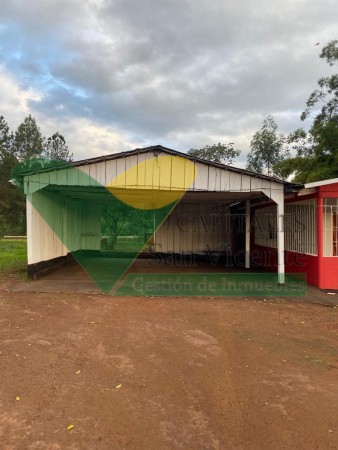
[13,257]
[128,244]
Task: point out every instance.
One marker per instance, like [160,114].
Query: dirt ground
[166,373]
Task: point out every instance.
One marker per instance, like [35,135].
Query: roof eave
[161,149]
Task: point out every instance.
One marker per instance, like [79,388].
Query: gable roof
[160,149]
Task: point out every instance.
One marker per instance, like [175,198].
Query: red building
[311,234]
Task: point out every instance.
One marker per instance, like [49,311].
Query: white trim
[247,234]
[321,183]
[280,242]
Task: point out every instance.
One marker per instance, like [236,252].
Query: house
[310,230]
[192,201]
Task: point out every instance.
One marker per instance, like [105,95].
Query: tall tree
[28,141]
[55,148]
[4,137]
[317,150]
[18,153]
[219,153]
[12,201]
[267,148]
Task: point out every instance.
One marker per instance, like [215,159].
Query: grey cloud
[177,71]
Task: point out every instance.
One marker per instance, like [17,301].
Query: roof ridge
[161,148]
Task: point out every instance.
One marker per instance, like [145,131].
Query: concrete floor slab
[73,278]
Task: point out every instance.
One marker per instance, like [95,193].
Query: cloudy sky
[112,75]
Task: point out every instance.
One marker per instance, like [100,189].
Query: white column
[280,241]
[247,234]
[30,229]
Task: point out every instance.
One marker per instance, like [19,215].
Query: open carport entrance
[65,206]
[205,232]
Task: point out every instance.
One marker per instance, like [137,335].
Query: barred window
[300,226]
[330,224]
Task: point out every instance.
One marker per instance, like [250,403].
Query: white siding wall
[265,225]
[208,178]
[44,231]
[72,224]
[57,225]
[91,227]
[195,228]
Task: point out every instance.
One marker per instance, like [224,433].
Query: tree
[55,148]
[317,150]
[28,141]
[219,153]
[114,216]
[330,52]
[54,151]
[12,201]
[22,152]
[4,137]
[118,218]
[267,148]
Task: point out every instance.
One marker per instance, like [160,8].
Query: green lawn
[129,245]
[13,258]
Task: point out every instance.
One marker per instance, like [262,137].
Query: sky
[113,75]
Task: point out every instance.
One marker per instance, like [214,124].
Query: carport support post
[280,241]
[247,234]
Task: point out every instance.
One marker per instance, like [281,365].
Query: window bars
[330,231]
[301,228]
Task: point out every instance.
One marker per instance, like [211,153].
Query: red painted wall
[321,271]
[329,276]
[266,257]
[329,190]
[328,269]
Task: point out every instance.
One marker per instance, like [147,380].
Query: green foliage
[32,165]
[24,151]
[120,219]
[12,202]
[219,153]
[330,52]
[28,141]
[55,148]
[267,148]
[300,165]
[13,257]
[12,211]
[5,137]
[317,151]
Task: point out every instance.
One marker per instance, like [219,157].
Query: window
[301,227]
[330,223]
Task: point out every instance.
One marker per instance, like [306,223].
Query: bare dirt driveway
[164,373]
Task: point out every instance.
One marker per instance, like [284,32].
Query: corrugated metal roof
[160,149]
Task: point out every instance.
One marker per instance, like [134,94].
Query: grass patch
[128,245]
[133,245]
[13,258]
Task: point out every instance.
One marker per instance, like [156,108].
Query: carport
[185,194]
